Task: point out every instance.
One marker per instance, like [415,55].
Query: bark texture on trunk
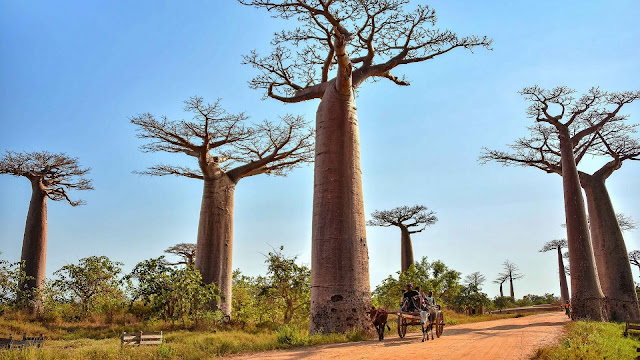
[511,288]
[340,292]
[587,297]
[564,289]
[406,250]
[215,237]
[610,251]
[34,243]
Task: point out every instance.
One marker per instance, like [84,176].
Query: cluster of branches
[416,218]
[243,149]
[54,173]
[348,33]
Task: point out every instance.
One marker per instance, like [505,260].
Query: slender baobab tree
[242,151]
[186,252]
[500,280]
[542,151]
[511,272]
[475,280]
[334,48]
[410,220]
[51,177]
[575,126]
[558,245]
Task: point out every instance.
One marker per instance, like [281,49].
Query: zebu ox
[379,320]
[427,319]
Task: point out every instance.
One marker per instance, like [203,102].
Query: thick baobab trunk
[340,292]
[215,237]
[610,251]
[406,250]
[501,294]
[34,244]
[587,298]
[564,289]
[511,287]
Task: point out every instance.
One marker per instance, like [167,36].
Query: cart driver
[408,298]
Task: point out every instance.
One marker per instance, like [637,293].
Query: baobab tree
[186,252]
[242,151]
[625,222]
[475,280]
[333,49]
[410,220]
[542,150]
[634,258]
[500,280]
[511,272]
[575,126]
[51,177]
[558,245]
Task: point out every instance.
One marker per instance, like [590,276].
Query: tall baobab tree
[475,279]
[511,272]
[558,245]
[575,126]
[500,280]
[186,252]
[542,151]
[51,177]
[334,48]
[242,151]
[410,220]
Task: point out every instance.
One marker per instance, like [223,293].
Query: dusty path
[497,339]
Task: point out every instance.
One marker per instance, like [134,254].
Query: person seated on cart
[410,299]
[430,300]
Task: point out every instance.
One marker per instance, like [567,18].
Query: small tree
[187,253]
[511,272]
[558,245]
[288,282]
[51,177]
[93,279]
[500,280]
[243,150]
[410,220]
[11,276]
[475,280]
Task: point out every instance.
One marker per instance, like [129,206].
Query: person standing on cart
[409,299]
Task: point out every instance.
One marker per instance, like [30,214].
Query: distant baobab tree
[558,245]
[500,280]
[634,258]
[242,151]
[410,220]
[51,177]
[327,54]
[626,222]
[475,279]
[511,273]
[186,252]
[578,128]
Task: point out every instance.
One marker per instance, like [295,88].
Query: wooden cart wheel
[402,327]
[439,325]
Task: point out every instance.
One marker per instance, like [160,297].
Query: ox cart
[427,320]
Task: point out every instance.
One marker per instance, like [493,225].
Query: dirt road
[495,340]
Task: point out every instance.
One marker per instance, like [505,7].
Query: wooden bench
[26,341]
[631,324]
[141,338]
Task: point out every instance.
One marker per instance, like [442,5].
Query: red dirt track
[497,340]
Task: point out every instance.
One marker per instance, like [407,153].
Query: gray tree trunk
[215,237]
[34,243]
[406,250]
[501,294]
[564,289]
[340,292]
[587,297]
[610,251]
[511,287]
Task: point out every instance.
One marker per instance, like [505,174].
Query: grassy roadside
[586,340]
[95,341]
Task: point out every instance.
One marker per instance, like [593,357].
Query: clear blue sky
[73,72]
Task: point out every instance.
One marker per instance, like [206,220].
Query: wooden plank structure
[10,343]
[631,324]
[141,338]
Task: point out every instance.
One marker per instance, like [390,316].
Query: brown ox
[379,320]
